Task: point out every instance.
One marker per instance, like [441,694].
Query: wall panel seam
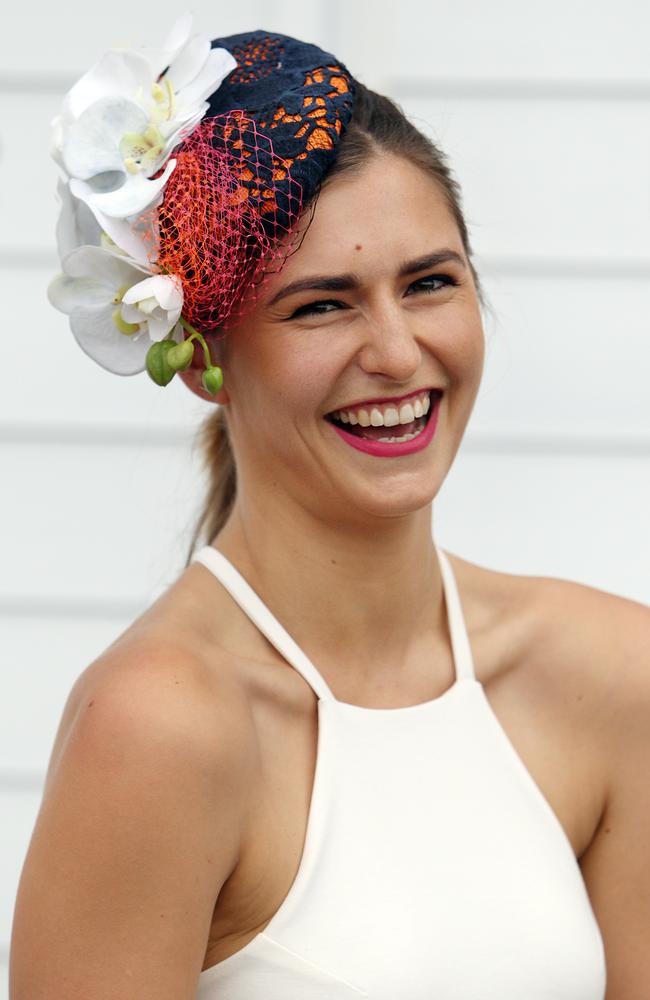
[461,86]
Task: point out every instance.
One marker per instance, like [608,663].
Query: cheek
[282,388]
[298,372]
[460,342]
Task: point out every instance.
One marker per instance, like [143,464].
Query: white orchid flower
[122,119]
[79,226]
[155,303]
[117,308]
[76,226]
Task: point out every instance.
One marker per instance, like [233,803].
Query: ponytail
[217,457]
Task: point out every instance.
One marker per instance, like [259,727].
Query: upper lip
[387,399]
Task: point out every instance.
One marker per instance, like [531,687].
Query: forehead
[390,207]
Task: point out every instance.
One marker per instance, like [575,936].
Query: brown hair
[378,125]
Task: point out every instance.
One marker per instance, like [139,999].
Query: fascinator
[185,170]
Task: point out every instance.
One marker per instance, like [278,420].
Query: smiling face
[390,322]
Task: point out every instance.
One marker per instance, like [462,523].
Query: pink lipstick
[384,449]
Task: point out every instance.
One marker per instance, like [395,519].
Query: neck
[363,602]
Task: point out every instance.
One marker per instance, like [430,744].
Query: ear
[192,376]
[192,379]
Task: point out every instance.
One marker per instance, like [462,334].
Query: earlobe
[192,379]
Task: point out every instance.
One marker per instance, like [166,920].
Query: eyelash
[309,308]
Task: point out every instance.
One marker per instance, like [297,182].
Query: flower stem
[199,336]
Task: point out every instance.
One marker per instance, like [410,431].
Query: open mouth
[395,434]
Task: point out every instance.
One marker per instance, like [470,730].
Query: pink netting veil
[220,229]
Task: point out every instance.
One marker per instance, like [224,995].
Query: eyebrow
[346,282]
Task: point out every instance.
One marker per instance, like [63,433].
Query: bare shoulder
[603,638]
[614,633]
[597,645]
[575,637]
[140,826]
[158,684]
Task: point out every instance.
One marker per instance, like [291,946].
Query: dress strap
[461,648]
[250,602]
[253,606]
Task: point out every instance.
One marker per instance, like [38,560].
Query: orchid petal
[76,225]
[102,265]
[160,58]
[159,326]
[147,306]
[140,242]
[68,294]
[131,199]
[159,286]
[179,33]
[189,61]
[180,128]
[118,73]
[91,143]
[99,338]
[219,64]
[57,132]
[169,291]
[131,314]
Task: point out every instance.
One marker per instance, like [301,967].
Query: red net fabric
[221,229]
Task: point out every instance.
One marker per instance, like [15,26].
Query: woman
[333,760]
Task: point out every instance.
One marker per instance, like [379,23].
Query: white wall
[544,111]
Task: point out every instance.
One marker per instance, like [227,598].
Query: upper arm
[616,866]
[138,829]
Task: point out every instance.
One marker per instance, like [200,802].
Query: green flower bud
[157,366]
[180,356]
[212,379]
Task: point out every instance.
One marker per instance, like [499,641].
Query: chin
[393,498]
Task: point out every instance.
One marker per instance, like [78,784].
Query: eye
[446,279]
[313,308]
[422,284]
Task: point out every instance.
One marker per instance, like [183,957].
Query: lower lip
[385,450]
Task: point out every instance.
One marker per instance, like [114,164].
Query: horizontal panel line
[28,258]
[481,88]
[74,608]
[476,440]
[558,267]
[19,779]
[87,435]
[21,84]
[622,445]
[519,88]
[526,264]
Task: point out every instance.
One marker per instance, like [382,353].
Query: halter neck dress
[433,867]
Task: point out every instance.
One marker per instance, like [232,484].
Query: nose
[390,346]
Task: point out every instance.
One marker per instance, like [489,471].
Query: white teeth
[405,437]
[390,416]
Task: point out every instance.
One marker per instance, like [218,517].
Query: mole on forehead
[358,247]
